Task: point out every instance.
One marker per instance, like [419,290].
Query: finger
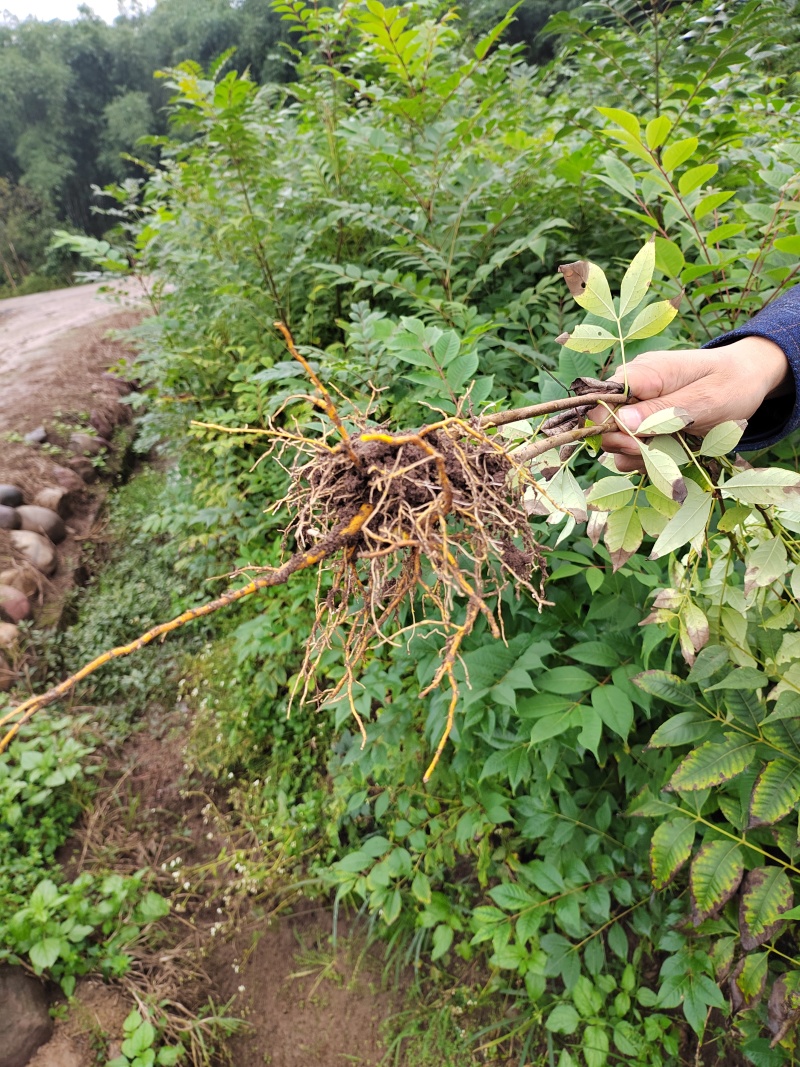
[620,444]
[629,464]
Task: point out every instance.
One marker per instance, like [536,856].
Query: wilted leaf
[713,763]
[595,528]
[748,981]
[564,491]
[623,536]
[664,473]
[651,320]
[716,872]
[637,277]
[695,624]
[589,286]
[764,486]
[765,564]
[766,895]
[724,438]
[670,848]
[775,793]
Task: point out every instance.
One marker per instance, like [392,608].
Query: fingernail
[630,417]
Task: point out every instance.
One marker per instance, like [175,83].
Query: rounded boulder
[25,578]
[42,521]
[83,468]
[57,500]
[14,605]
[25,1023]
[68,479]
[85,444]
[9,635]
[10,495]
[9,520]
[36,549]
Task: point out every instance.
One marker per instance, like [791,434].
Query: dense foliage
[402,205]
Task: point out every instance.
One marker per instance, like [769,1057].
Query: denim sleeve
[778,322]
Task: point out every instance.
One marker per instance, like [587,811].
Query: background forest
[609,847]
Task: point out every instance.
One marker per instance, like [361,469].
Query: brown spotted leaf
[748,981]
[766,895]
[623,535]
[775,793]
[713,763]
[589,286]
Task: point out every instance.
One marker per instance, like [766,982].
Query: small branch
[549,407]
[522,455]
[298,562]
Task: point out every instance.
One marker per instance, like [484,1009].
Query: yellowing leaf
[657,131]
[669,257]
[716,872]
[623,536]
[670,848]
[713,763]
[766,895]
[625,119]
[586,338]
[764,486]
[775,793]
[696,176]
[637,279]
[678,153]
[652,320]
[589,286]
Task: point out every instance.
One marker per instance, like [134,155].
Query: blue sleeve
[778,322]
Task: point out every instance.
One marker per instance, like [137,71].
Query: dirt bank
[50,352]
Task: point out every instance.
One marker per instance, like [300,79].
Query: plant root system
[418,532]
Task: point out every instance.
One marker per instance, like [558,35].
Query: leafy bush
[400,206]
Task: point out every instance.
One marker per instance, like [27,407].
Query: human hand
[713,385]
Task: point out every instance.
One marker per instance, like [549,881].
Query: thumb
[633,415]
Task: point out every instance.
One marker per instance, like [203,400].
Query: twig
[549,407]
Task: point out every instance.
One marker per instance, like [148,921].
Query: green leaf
[670,848]
[392,907]
[765,564]
[442,940]
[764,486]
[421,887]
[667,687]
[624,119]
[140,1040]
[716,872]
[623,535]
[563,1019]
[747,679]
[678,153]
[566,681]
[614,708]
[723,438]
[447,347]
[637,278]
[657,131]
[44,953]
[710,203]
[766,895]
[685,728]
[713,763]
[669,420]
[511,896]
[788,244]
[686,525]
[168,1057]
[611,493]
[592,339]
[775,793]
[669,257]
[695,177]
[651,320]
[664,473]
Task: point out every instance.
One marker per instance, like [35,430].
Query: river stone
[68,479]
[14,605]
[24,578]
[7,679]
[83,468]
[9,520]
[9,635]
[36,549]
[10,496]
[37,436]
[86,444]
[43,521]
[25,1023]
[57,500]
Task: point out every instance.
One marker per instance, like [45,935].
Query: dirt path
[49,349]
